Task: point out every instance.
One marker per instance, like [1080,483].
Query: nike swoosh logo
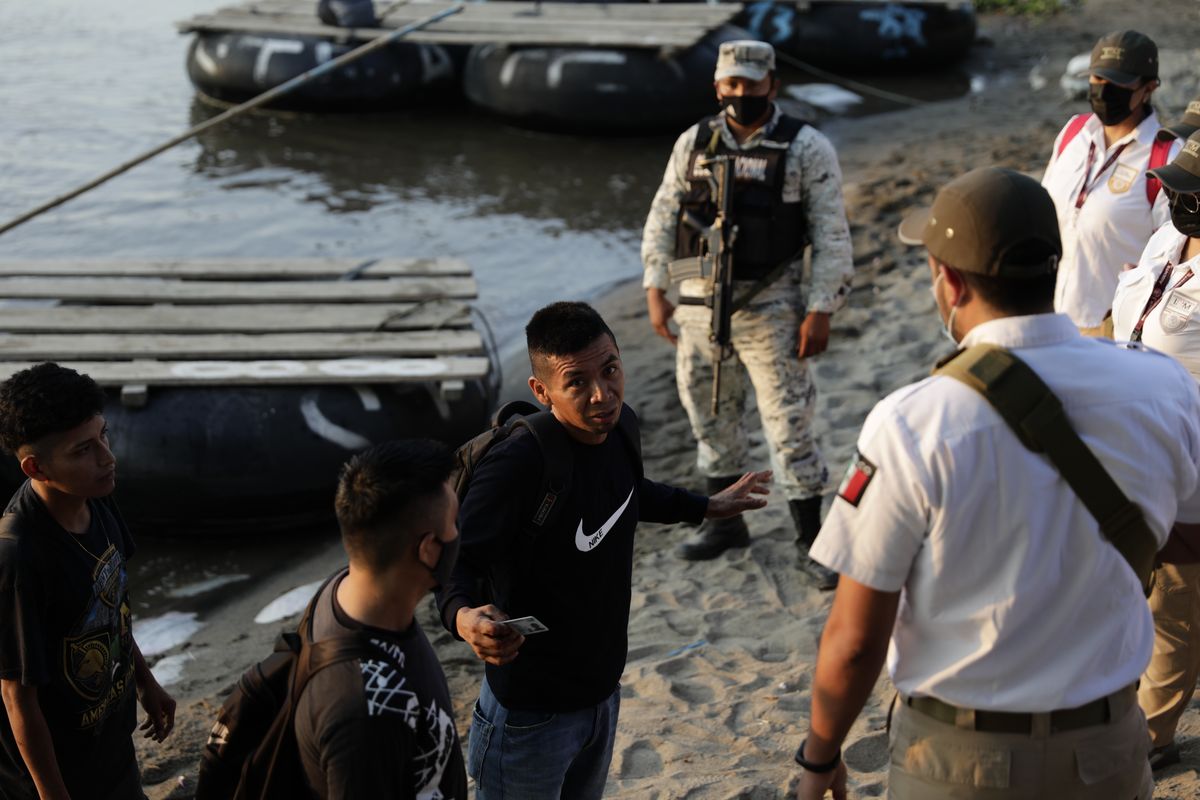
[586,542]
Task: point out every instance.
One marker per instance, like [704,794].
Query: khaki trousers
[933,760]
[1170,679]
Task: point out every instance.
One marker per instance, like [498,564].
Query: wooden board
[235,346]
[291,372]
[248,318]
[243,269]
[674,26]
[149,290]
[249,322]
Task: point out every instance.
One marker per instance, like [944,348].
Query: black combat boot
[806,514]
[716,535]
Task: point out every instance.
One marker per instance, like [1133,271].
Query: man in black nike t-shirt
[69,666]
[544,724]
[384,727]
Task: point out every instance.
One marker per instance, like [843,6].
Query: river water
[88,85]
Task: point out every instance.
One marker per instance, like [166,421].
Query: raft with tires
[233,66]
[237,389]
[595,89]
[862,36]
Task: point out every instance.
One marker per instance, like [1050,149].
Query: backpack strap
[1160,153]
[1037,417]
[1072,130]
[558,465]
[631,433]
[8,527]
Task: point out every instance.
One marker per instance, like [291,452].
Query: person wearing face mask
[1156,304]
[385,728]
[787,195]
[1013,628]
[1107,205]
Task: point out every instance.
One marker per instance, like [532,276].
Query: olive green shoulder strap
[1037,417]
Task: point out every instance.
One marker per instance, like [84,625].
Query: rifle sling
[1037,417]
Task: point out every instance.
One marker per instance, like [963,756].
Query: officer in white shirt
[1097,178]
[1017,632]
[1158,303]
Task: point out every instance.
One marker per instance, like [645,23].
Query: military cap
[988,222]
[745,58]
[1186,126]
[1124,57]
[1183,174]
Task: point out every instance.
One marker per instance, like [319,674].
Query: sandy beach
[715,695]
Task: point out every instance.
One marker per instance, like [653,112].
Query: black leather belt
[693,301]
[1097,712]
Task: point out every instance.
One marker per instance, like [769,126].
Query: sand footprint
[641,760]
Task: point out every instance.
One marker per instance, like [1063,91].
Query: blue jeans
[536,755]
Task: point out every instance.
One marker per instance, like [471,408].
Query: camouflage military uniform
[765,333]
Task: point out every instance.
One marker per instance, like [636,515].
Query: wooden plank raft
[665,26]
[253,322]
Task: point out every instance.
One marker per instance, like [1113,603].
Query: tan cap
[984,221]
[744,58]
[1183,174]
[1124,57]
[1186,126]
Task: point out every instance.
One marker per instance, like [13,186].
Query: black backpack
[555,444]
[251,753]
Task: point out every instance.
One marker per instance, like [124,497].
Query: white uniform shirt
[1114,224]
[1012,600]
[1172,326]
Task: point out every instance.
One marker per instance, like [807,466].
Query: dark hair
[563,329]
[386,484]
[43,400]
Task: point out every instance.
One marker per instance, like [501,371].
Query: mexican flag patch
[858,478]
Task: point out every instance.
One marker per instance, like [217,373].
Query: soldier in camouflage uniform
[787,194]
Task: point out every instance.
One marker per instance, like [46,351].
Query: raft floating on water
[237,389]
[864,35]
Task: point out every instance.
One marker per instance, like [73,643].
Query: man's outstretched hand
[744,495]
[495,644]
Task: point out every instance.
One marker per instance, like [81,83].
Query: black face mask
[1110,102]
[1186,222]
[445,563]
[745,109]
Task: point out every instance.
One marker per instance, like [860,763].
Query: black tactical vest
[770,231]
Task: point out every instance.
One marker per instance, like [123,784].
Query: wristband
[828,766]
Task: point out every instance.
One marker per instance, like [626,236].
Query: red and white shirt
[1114,222]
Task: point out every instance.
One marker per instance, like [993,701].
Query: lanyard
[1156,296]
[1088,183]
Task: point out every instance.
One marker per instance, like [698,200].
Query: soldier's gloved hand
[741,496]
[814,335]
[661,310]
[495,644]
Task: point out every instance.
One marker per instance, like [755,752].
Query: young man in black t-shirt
[69,665]
[545,722]
[384,727]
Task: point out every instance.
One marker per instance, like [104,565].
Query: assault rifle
[715,262]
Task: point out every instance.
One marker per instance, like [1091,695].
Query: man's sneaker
[715,537]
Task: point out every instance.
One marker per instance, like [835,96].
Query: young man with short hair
[69,664]
[547,713]
[385,727]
